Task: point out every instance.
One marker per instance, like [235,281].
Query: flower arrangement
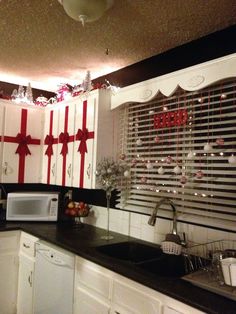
[109,174]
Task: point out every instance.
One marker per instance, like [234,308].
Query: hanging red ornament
[183,179]
[220,141]
[143,179]
[133,162]
[199,174]
[157,139]
[168,160]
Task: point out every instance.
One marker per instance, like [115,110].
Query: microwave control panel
[53,207]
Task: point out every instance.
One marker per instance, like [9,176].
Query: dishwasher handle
[52,257]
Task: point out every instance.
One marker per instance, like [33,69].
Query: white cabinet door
[2,112]
[8,284]
[50,138]
[9,243]
[21,147]
[25,286]
[95,136]
[86,303]
[84,143]
[66,143]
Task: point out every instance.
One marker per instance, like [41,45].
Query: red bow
[82,136]
[64,139]
[49,140]
[23,141]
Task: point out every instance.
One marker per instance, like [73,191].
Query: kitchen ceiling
[41,44]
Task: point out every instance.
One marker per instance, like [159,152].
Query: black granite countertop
[84,241]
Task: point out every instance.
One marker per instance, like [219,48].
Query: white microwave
[32,206]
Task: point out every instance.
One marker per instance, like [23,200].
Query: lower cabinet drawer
[133,300]
[86,303]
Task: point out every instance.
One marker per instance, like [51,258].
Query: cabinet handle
[117,312]
[69,171]
[89,171]
[30,279]
[53,169]
[26,246]
[7,169]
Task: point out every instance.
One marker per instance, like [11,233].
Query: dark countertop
[83,242]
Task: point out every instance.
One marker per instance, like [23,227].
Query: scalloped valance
[189,79]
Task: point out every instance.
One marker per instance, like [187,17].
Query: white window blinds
[182,147]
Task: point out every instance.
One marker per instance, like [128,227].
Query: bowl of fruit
[77,210]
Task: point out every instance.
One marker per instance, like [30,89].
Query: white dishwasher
[54,280]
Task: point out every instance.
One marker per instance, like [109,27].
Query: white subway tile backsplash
[135,220]
[135,232]
[136,225]
[147,233]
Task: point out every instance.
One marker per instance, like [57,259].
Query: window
[182,147]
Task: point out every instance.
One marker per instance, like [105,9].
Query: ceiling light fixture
[86,10]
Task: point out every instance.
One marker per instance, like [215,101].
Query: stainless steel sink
[131,251]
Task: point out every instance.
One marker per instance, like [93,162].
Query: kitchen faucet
[152,219]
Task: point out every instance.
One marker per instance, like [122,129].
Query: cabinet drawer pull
[26,246]
[117,312]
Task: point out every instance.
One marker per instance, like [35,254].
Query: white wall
[136,225]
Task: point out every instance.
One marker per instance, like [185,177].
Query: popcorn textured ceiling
[42,45]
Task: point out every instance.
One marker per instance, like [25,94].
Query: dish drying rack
[202,263]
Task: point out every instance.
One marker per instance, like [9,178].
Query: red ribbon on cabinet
[50,141]
[65,138]
[23,141]
[83,135]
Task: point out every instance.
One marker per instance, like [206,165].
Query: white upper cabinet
[21,156]
[84,142]
[50,146]
[66,138]
[94,137]
[83,135]
[2,111]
